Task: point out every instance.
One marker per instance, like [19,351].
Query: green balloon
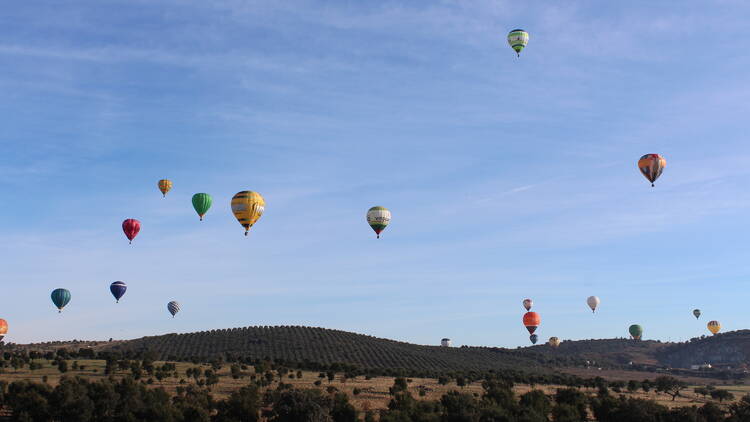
[60,297]
[636,331]
[201,203]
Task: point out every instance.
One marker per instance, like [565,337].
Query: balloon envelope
[651,166]
[131,227]
[201,203]
[3,328]
[118,289]
[378,218]
[165,185]
[714,327]
[593,302]
[528,303]
[697,313]
[636,331]
[247,207]
[173,307]
[531,321]
[554,341]
[518,39]
[60,297]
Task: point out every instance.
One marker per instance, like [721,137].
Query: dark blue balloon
[533,338]
[118,289]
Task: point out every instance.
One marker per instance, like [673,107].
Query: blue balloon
[118,289]
[60,297]
[533,338]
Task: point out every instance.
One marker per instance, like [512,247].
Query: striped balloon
[651,166]
[173,307]
[60,297]
[247,207]
[118,289]
[378,218]
[713,326]
[554,341]
[518,39]
[165,185]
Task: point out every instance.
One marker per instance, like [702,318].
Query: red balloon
[531,320]
[131,227]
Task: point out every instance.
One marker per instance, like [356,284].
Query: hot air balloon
[636,331]
[517,39]
[652,165]
[528,303]
[165,185]
[697,313]
[201,203]
[531,320]
[247,207]
[713,326]
[131,227]
[593,302]
[378,218]
[533,338]
[118,289]
[173,307]
[3,328]
[554,341]
[446,342]
[60,297]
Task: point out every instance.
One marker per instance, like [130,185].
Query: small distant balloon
[446,342]
[165,185]
[118,289]
[173,307]
[651,166]
[697,313]
[60,297]
[531,320]
[554,341]
[533,338]
[3,328]
[636,331]
[528,303]
[593,302]
[131,227]
[378,218]
[518,39]
[201,203]
[714,327]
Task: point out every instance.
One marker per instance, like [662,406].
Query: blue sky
[507,178]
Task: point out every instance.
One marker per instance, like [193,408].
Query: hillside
[325,346]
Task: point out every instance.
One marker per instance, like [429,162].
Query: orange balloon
[531,320]
[3,328]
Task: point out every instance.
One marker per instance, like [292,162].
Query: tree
[703,391]
[670,386]
[721,395]
[236,371]
[62,366]
[633,386]
[572,405]
[461,381]
[242,405]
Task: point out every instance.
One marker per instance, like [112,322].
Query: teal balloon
[60,297]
